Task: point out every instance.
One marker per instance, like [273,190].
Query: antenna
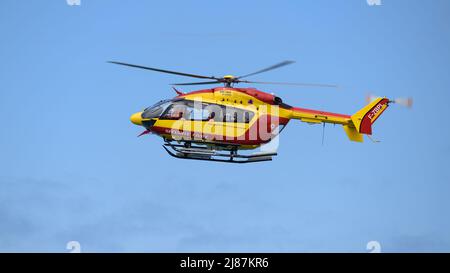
[323,132]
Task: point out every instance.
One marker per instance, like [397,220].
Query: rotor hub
[228,77]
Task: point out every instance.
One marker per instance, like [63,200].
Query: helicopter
[219,123]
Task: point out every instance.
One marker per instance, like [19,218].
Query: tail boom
[314,116]
[355,125]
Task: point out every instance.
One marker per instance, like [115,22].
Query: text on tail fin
[364,118]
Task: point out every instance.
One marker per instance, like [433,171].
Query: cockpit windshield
[187,110]
[155,110]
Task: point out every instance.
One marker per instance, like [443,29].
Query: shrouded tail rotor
[406,102]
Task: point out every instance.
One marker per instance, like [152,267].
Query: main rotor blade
[295,84]
[164,71]
[196,83]
[268,68]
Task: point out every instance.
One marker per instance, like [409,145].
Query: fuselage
[237,116]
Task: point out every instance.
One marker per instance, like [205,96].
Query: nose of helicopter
[136,118]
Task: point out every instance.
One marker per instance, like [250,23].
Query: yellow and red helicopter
[216,124]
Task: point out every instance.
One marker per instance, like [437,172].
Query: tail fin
[364,118]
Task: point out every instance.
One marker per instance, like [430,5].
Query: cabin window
[207,112]
[247,117]
[237,115]
[213,112]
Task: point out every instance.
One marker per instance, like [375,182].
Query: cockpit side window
[177,110]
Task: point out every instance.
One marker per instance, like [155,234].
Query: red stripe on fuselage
[196,92]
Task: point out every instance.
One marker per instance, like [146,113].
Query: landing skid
[226,154]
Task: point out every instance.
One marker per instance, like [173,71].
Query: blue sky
[73,169]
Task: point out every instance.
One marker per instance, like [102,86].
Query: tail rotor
[406,102]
